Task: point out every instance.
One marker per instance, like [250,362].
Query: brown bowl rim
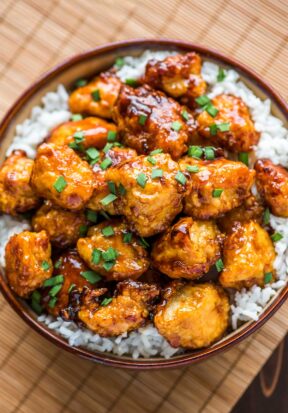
[107,358]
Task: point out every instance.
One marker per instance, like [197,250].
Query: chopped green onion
[142,120]
[219,265]
[276,237]
[112,187]
[73,145]
[243,157]
[192,168]
[92,216]
[195,152]
[96,95]
[105,215]
[156,173]
[209,153]
[80,83]
[60,184]
[119,62]
[143,242]
[83,230]
[107,265]
[71,288]
[131,82]
[93,153]
[266,216]
[151,160]
[111,136]
[176,126]
[221,74]
[202,100]
[213,129]
[122,190]
[156,152]
[106,301]
[78,136]
[127,237]
[58,279]
[58,263]
[107,147]
[52,302]
[223,127]
[110,254]
[36,296]
[108,199]
[141,179]
[91,276]
[37,307]
[55,290]
[268,277]
[96,256]
[185,115]
[181,178]
[217,193]
[105,164]
[45,265]
[108,231]
[76,117]
[211,110]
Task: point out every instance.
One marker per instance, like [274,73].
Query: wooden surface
[37,377]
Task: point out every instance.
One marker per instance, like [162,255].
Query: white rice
[273,144]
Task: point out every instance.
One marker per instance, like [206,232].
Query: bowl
[85,65]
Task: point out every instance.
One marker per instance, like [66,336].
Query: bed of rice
[247,304]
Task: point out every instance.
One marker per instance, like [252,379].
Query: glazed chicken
[98,97]
[230,126]
[188,249]
[127,311]
[60,175]
[16,194]
[112,157]
[179,76]
[62,226]
[148,120]
[272,184]
[248,256]
[28,261]
[216,187]
[113,252]
[90,132]
[153,192]
[192,316]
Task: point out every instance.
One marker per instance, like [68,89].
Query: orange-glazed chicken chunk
[272,184]
[232,126]
[215,187]
[154,189]
[127,311]
[97,97]
[148,120]
[102,187]
[188,249]
[192,316]
[179,76]
[62,226]
[61,176]
[248,256]
[16,194]
[84,133]
[113,252]
[28,261]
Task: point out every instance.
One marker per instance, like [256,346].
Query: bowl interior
[87,65]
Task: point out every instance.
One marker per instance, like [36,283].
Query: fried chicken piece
[272,184]
[94,131]
[248,255]
[148,120]
[179,76]
[125,312]
[192,316]
[150,202]
[28,262]
[101,188]
[250,209]
[63,227]
[188,249]
[114,257]
[241,135]
[219,186]
[16,194]
[61,176]
[97,97]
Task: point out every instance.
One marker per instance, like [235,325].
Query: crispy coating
[70,266]
[16,194]
[179,76]
[242,134]
[131,258]
[127,311]
[101,188]
[63,227]
[192,316]
[234,178]
[147,120]
[188,249]
[28,262]
[250,209]
[248,254]
[272,184]
[57,162]
[151,209]
[108,87]
[95,131]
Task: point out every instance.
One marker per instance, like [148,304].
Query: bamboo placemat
[37,377]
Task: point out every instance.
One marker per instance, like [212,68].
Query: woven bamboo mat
[37,377]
